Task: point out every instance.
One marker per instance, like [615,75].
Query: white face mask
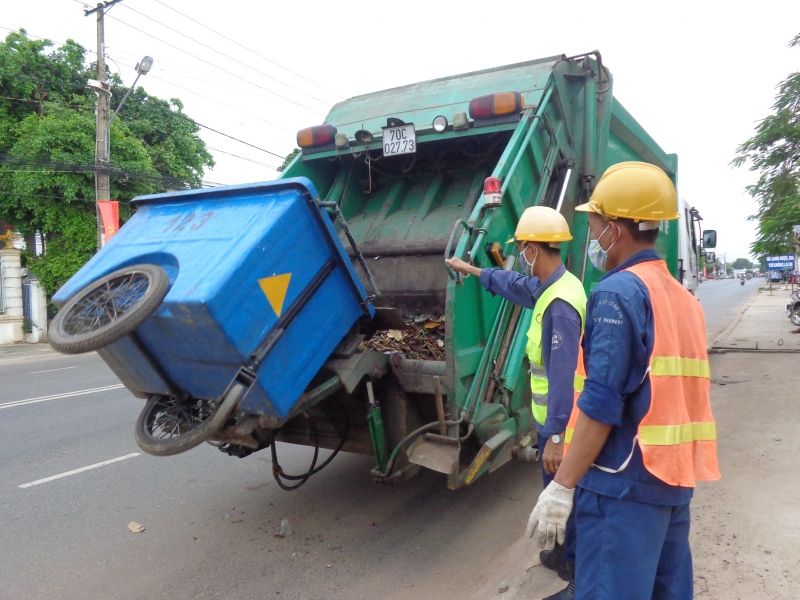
[527,266]
[597,255]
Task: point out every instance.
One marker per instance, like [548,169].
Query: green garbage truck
[410,176]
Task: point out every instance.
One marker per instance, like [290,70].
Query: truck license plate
[399,140]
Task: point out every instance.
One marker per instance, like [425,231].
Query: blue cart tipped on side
[219,306]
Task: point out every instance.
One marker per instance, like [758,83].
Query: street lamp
[142,68]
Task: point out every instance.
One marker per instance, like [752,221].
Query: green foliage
[169,137]
[288,160]
[741,263]
[773,152]
[47,147]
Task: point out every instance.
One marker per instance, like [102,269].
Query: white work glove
[549,516]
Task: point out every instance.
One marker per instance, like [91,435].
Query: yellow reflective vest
[567,288]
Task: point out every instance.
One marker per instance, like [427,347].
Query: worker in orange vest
[642,431]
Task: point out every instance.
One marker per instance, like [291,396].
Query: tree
[288,160]
[47,166]
[773,151]
[742,263]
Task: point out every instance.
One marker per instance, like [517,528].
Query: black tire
[85,323]
[796,315]
[212,423]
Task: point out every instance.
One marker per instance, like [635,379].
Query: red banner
[109,211]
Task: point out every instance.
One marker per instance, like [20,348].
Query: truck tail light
[321,135]
[494,109]
[496,105]
[492,192]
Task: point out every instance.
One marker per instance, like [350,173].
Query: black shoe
[555,561]
[568,593]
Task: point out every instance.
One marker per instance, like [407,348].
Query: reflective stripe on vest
[580,378]
[678,435]
[567,288]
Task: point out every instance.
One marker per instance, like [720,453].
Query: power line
[179,115]
[209,63]
[248,49]
[61,198]
[222,103]
[217,83]
[242,157]
[225,55]
[240,141]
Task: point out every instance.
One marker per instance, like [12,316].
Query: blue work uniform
[632,528]
[561,324]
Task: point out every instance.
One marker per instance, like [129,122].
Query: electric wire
[179,115]
[180,87]
[216,83]
[211,64]
[248,49]
[225,55]
[242,158]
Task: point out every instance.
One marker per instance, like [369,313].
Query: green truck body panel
[402,210]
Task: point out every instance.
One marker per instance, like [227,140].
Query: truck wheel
[168,426]
[108,309]
[796,315]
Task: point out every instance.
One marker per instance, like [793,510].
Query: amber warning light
[321,135]
[496,105]
[492,192]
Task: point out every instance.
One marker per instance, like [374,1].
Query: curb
[732,325]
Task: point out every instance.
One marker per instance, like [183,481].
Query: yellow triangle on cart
[274,289]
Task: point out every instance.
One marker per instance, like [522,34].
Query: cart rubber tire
[185,442]
[795,318]
[63,341]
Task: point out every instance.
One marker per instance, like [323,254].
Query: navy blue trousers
[569,537]
[631,550]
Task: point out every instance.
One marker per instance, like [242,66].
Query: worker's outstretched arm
[587,441]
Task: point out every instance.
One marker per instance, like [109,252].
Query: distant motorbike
[741,281]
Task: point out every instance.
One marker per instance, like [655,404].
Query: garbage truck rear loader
[431,372]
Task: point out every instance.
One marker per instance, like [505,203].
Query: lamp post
[103,138]
[142,68]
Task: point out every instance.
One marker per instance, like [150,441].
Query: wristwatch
[556,439]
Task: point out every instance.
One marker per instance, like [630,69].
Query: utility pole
[102,185]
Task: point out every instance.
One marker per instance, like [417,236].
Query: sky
[698,76]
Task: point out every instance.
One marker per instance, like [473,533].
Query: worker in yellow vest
[558,301]
[642,431]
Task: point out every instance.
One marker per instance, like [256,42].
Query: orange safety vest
[678,435]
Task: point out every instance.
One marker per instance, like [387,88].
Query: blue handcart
[218,307]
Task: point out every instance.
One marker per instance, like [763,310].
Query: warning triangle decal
[274,289]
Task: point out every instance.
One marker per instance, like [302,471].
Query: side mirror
[709,238]
[710,258]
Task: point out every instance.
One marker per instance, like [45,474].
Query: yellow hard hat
[541,224]
[634,190]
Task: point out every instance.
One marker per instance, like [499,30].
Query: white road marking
[51,370]
[107,388]
[76,471]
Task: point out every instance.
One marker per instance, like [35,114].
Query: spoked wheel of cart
[170,425]
[108,309]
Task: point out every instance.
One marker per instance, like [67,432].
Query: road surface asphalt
[210,520]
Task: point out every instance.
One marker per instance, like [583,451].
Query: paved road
[211,519]
[723,299]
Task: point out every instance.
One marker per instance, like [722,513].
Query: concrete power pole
[102,185]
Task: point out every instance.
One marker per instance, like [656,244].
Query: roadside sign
[779,263]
